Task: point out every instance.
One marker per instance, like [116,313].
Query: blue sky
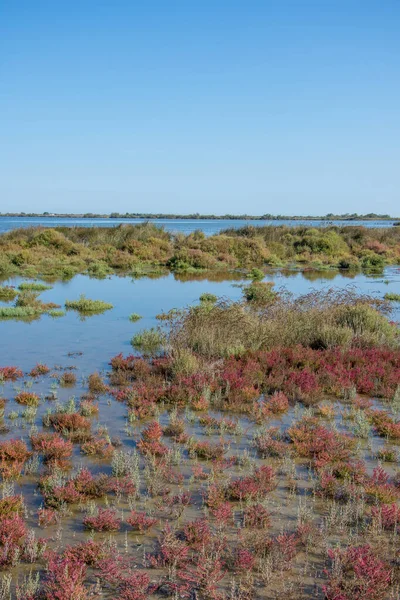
[209,106]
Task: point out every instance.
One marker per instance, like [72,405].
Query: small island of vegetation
[62,252]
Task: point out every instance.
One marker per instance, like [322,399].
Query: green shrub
[364,319]
[86,305]
[348,262]
[6,267]
[149,341]
[373,262]
[206,297]
[259,292]
[331,336]
[392,297]
[29,298]
[56,313]
[7,293]
[99,270]
[134,317]
[256,274]
[184,362]
[11,312]
[64,251]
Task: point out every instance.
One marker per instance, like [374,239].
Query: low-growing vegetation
[64,251]
[134,317]
[392,297]
[86,305]
[245,450]
[16,312]
[149,341]
[7,293]
[27,305]
[34,286]
[321,321]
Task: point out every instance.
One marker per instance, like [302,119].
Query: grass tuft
[206,297]
[86,305]
[149,341]
[34,286]
[392,297]
[134,317]
[56,313]
[11,312]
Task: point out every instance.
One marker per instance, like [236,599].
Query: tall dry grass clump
[319,320]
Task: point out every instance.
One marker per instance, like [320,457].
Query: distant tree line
[194,216]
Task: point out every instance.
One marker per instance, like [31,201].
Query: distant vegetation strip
[142,248]
[193,216]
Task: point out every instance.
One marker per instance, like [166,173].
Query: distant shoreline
[194,217]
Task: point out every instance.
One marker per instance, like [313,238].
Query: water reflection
[99,337]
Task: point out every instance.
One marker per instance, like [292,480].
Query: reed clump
[318,320]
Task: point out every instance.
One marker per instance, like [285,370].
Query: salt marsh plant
[27,399]
[207,297]
[85,305]
[392,297]
[39,370]
[319,320]
[149,341]
[34,286]
[18,312]
[96,384]
[143,248]
[298,394]
[7,293]
[68,379]
[134,317]
[55,314]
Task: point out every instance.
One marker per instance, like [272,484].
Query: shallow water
[99,337]
[209,226]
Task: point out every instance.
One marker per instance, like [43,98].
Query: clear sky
[210,106]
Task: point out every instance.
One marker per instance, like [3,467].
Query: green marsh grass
[392,297]
[7,293]
[34,286]
[207,297]
[149,341]
[12,312]
[56,313]
[86,305]
[134,317]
